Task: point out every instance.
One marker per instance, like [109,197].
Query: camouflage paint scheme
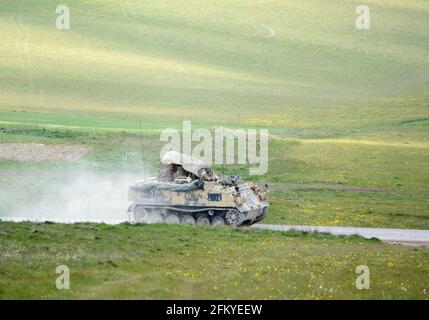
[213,201]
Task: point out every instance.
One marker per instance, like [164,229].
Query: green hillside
[347,112]
[214,62]
[343,106]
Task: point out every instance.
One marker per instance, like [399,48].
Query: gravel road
[396,236]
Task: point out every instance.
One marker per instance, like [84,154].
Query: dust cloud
[71,196]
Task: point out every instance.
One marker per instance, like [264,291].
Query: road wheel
[218,221]
[155,216]
[203,219]
[140,215]
[233,217]
[172,219]
[188,219]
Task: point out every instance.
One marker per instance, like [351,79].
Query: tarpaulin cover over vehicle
[190,164]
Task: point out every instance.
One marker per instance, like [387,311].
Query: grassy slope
[165,261]
[343,107]
[355,103]
[212,62]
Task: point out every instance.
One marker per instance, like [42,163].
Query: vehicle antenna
[141,137]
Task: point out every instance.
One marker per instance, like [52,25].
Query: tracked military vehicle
[188,191]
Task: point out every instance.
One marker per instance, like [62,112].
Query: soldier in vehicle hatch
[166,172]
[170,172]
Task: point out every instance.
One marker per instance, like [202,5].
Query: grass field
[347,112]
[165,261]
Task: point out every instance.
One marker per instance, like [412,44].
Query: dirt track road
[396,236]
[41,152]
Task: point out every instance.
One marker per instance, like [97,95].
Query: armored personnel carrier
[188,191]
